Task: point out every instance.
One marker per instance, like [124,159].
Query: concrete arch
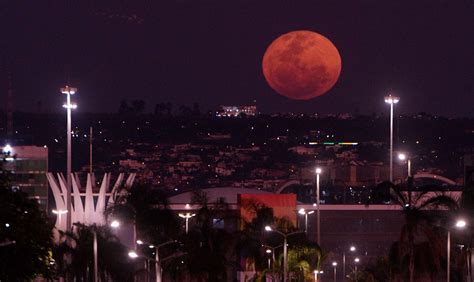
[287,184]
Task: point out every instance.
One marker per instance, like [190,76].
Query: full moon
[301,65]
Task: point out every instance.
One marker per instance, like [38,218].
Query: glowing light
[402,156]
[139,242]
[334,263]
[132,254]
[461,223]
[59,211]
[115,224]
[352,249]
[7,149]
[318,170]
[268,228]
[392,99]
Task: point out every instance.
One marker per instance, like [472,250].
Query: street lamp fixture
[186,216]
[334,264]
[352,249]
[403,157]
[133,254]
[68,91]
[140,242]
[59,213]
[390,99]
[460,224]
[305,213]
[285,248]
[115,224]
[318,214]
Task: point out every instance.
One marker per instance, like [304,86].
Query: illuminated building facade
[28,166]
[235,111]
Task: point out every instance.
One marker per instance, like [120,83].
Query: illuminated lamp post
[285,248]
[305,213]
[59,213]
[352,249]
[318,212]
[68,91]
[404,157]
[334,264]
[460,224]
[391,100]
[186,216]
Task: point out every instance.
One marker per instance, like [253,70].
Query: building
[28,166]
[235,111]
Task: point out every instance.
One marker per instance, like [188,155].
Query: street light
[460,224]
[68,91]
[316,272]
[115,224]
[318,214]
[59,213]
[356,261]
[132,254]
[391,100]
[403,157]
[158,273]
[186,216]
[285,248]
[334,264]
[305,213]
[352,249]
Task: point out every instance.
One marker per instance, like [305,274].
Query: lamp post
[334,264]
[158,272]
[113,224]
[59,213]
[404,157]
[305,213]
[316,272]
[318,213]
[460,224]
[356,261]
[186,216]
[391,100]
[352,249]
[285,248]
[68,91]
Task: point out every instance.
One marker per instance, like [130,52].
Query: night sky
[210,52]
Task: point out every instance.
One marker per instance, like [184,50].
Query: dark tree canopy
[25,237]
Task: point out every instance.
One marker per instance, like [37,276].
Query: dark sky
[210,52]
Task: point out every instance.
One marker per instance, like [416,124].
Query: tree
[25,237]
[78,245]
[418,209]
[148,209]
[208,245]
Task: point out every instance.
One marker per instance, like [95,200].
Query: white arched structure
[87,206]
[437,177]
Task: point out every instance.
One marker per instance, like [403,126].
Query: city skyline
[211,53]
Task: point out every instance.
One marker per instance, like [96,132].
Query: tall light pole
[403,157]
[68,91]
[460,224]
[285,248]
[305,213]
[318,214]
[59,213]
[186,216]
[391,100]
[352,249]
[334,264]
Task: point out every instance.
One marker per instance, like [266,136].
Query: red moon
[301,65]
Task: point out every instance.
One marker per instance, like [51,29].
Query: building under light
[235,111]
[28,166]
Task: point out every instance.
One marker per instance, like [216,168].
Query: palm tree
[78,245]
[418,209]
[209,247]
[148,209]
